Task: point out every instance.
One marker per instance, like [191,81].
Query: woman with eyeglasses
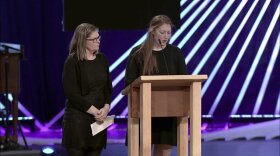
[155,56]
[88,89]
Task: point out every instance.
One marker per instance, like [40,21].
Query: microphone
[159,41]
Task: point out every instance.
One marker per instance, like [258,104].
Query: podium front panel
[13,73]
[167,101]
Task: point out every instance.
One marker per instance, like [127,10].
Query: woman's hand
[104,112]
[99,115]
[93,111]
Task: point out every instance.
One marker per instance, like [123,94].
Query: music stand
[10,55]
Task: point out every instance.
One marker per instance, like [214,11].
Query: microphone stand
[163,57]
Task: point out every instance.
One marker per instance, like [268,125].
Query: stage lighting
[48,151]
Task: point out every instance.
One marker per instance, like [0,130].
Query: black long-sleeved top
[170,61]
[82,79]
[85,83]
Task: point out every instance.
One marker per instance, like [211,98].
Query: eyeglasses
[94,39]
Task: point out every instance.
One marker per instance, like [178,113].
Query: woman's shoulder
[134,49]
[71,58]
[70,61]
[171,47]
[174,52]
[101,55]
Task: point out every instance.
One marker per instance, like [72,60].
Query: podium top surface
[11,47]
[165,80]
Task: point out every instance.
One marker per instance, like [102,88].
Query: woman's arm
[72,87]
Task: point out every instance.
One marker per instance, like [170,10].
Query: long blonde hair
[146,49]
[79,39]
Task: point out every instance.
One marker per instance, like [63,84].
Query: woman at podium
[155,56]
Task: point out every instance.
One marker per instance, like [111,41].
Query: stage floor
[213,148]
[248,140]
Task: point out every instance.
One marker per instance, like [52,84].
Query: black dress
[170,61]
[85,83]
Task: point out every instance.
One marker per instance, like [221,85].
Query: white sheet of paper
[97,127]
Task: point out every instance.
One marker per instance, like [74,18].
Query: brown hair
[78,41]
[146,48]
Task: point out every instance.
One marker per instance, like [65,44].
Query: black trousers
[83,152]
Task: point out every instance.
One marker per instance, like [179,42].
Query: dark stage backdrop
[122,14]
[37,26]
[233,42]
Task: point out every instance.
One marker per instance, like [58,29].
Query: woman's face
[162,34]
[93,42]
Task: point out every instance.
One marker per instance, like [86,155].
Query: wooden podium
[164,96]
[11,54]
